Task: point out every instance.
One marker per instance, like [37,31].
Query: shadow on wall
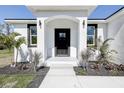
[118,45]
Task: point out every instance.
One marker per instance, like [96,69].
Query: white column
[41,36]
[82,35]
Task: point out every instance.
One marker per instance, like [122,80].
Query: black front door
[62,41]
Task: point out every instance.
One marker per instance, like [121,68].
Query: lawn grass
[6,57]
[5,53]
[15,81]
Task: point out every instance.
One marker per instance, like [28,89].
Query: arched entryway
[61,36]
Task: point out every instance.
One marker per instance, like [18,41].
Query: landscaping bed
[17,69]
[40,75]
[16,77]
[102,70]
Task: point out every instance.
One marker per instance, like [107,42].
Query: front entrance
[62,42]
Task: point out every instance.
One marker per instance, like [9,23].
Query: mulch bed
[101,70]
[15,70]
[28,70]
[39,78]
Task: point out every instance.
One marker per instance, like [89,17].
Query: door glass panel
[62,35]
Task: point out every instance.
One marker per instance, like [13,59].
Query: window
[32,35]
[91,34]
[62,35]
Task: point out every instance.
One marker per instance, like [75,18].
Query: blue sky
[21,11]
[14,11]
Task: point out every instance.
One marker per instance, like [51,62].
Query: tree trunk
[16,56]
[34,66]
[12,63]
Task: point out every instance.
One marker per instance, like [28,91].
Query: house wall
[115,25]
[116,31]
[102,31]
[21,28]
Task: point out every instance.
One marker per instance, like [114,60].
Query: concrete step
[62,62]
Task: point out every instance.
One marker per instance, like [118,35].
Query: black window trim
[96,26]
[28,39]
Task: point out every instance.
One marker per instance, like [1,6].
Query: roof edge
[114,13]
[20,19]
[97,19]
[108,16]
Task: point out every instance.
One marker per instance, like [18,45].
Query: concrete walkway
[60,76]
[63,76]
[101,81]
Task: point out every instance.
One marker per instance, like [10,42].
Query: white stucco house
[64,31]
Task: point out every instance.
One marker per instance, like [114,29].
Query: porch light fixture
[40,24]
[83,23]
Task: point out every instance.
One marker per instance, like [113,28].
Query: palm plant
[1,28]
[36,59]
[2,46]
[17,44]
[105,52]
[9,40]
[85,55]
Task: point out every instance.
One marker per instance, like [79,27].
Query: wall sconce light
[83,23]
[40,24]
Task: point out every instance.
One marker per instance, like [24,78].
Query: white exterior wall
[22,29]
[41,37]
[82,39]
[116,31]
[102,31]
[115,25]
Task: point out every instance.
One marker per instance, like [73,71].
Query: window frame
[94,36]
[30,35]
